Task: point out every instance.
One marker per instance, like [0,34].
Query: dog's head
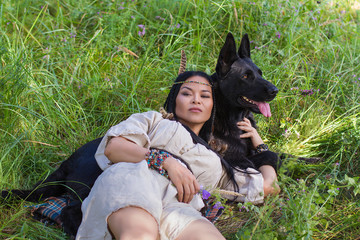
[240,80]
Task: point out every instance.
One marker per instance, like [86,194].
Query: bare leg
[200,229]
[133,223]
[270,180]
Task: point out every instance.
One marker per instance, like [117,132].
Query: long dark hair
[206,131]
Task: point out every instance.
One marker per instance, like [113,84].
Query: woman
[151,194]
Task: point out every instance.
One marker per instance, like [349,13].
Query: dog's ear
[227,55]
[244,49]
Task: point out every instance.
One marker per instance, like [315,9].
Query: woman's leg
[270,180]
[133,223]
[200,229]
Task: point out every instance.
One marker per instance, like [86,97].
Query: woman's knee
[201,230]
[133,223]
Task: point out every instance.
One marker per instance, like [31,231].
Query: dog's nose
[272,91]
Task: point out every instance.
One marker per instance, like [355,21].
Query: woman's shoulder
[149,116]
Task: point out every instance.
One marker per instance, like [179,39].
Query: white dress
[134,184]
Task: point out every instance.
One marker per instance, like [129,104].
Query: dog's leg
[71,218]
[53,185]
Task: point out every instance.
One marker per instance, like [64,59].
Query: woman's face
[194,103]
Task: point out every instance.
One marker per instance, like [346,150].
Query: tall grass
[71,69]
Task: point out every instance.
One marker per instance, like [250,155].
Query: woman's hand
[250,132]
[185,182]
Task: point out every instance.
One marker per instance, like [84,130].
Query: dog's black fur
[239,80]
[77,174]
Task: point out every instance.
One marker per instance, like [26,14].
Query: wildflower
[46,57]
[218,205]
[121,7]
[7,23]
[265,24]
[278,35]
[337,164]
[160,18]
[107,79]
[64,39]
[141,33]
[178,25]
[205,194]
[72,35]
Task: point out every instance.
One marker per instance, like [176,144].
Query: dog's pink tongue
[264,108]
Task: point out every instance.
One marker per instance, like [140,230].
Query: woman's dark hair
[206,130]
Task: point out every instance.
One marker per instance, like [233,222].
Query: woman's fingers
[183,180]
[246,135]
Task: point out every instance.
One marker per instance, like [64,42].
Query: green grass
[66,76]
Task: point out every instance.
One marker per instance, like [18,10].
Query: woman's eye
[206,96]
[185,94]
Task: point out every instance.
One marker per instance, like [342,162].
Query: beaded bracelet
[262,147]
[155,159]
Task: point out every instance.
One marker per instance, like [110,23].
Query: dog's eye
[245,76]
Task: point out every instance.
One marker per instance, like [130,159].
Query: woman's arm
[267,171]
[120,149]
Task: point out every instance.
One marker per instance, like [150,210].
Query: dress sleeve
[251,186]
[135,129]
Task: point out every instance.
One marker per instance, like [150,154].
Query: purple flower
[218,206]
[278,35]
[178,25]
[161,18]
[205,194]
[141,33]
[141,26]
[337,164]
[121,7]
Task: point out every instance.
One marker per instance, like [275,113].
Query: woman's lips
[195,110]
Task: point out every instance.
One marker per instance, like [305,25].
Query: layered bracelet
[155,159]
[261,148]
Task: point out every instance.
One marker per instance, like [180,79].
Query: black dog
[240,90]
